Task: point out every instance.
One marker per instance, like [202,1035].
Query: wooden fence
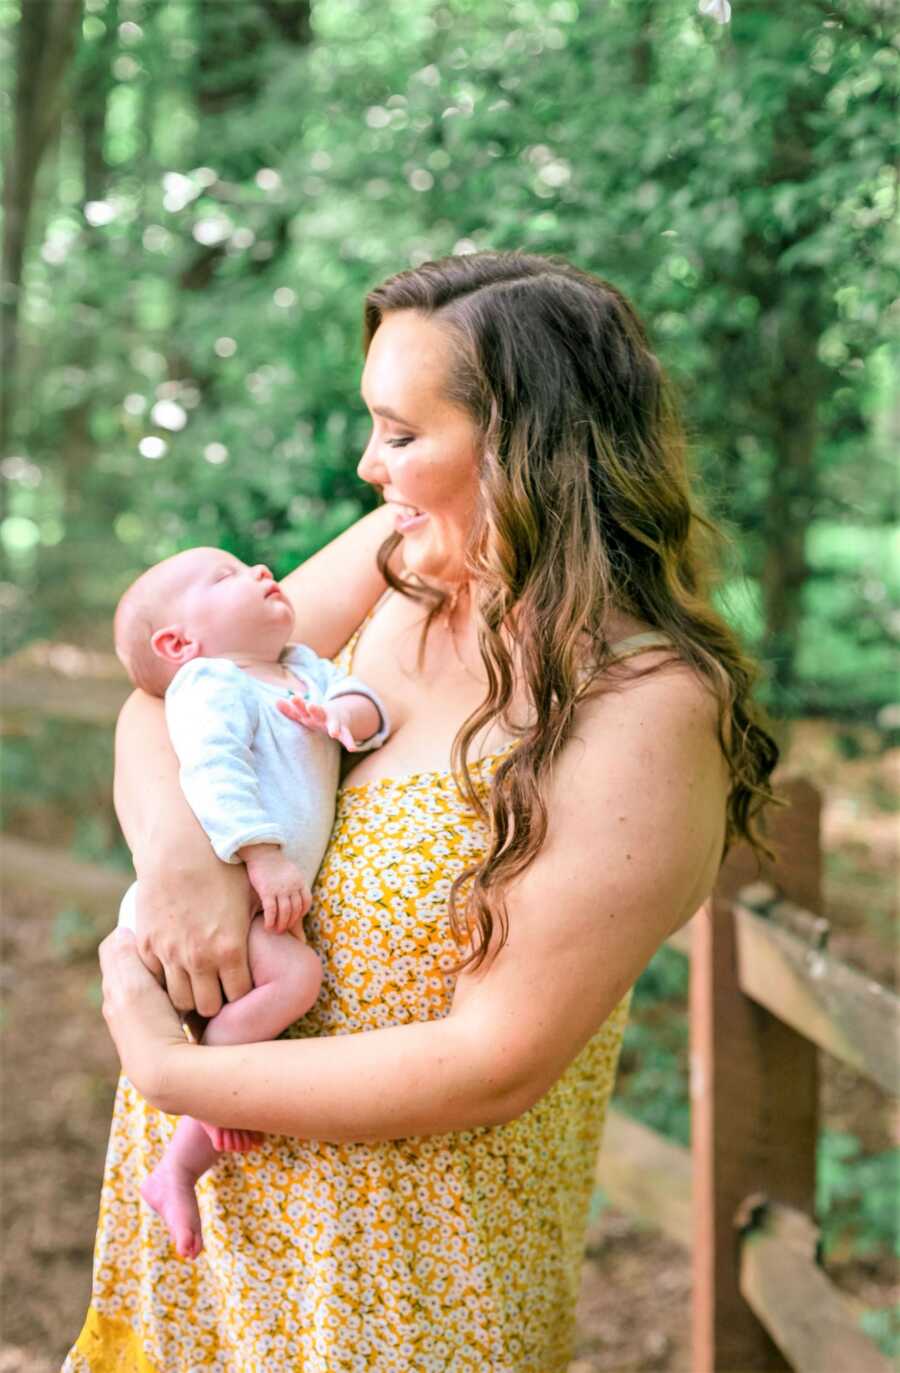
[765,997]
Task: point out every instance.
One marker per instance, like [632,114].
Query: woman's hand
[142,1021]
[192,924]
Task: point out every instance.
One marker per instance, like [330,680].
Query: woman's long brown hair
[586,505]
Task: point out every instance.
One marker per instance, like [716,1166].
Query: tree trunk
[792,381]
[61,568]
[45,41]
[791,500]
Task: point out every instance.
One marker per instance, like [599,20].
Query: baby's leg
[169,1189]
[286,976]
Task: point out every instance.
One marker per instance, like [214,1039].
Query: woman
[546,812]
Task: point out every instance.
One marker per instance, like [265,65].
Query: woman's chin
[445,572]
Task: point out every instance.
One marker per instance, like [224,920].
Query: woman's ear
[173,645]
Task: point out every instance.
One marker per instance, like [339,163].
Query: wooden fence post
[754,1093]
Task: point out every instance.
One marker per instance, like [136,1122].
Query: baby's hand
[280,885]
[329,719]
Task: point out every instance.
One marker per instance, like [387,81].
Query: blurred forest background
[197,195]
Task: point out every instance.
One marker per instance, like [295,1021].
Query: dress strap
[637,643]
[343,659]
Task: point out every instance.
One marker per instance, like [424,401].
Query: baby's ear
[173,645]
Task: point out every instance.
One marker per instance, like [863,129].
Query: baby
[210,634]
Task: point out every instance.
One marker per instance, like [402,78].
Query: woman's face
[424,449]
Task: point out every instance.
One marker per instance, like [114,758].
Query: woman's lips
[405,519]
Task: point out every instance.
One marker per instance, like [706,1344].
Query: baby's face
[230,608]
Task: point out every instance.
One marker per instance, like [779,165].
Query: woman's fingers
[207,994]
[138,1014]
[234,973]
[178,986]
[150,961]
[192,929]
[114,963]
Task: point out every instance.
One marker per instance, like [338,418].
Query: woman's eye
[398,443]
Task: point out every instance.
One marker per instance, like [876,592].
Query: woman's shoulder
[668,715]
[648,671]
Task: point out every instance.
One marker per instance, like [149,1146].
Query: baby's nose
[260,570]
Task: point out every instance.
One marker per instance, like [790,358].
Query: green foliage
[883,1327]
[856,1194]
[664,979]
[57,787]
[857,1197]
[190,322]
[652,1084]
[74,935]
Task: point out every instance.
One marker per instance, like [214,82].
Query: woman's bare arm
[636,817]
[334,590]
[193,911]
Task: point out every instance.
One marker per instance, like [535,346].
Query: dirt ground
[59,1070]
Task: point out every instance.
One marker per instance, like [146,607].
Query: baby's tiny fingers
[289,709]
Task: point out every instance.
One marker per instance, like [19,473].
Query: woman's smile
[407,517]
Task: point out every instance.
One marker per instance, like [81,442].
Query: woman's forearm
[156,820]
[418,1079]
[193,911]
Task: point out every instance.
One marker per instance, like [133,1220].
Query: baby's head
[203,603]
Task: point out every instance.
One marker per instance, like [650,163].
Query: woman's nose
[370,469]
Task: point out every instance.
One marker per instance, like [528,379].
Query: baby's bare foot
[170,1192]
[232,1141]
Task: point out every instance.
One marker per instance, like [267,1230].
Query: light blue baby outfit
[250,775]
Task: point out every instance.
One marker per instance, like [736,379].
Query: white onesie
[250,775]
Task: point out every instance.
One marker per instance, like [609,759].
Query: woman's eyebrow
[389,414]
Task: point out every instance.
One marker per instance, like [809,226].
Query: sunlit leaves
[221,270]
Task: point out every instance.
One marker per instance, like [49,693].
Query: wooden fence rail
[782,1283]
[827,1001]
[765,996]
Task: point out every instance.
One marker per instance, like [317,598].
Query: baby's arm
[336,703]
[351,719]
[358,716]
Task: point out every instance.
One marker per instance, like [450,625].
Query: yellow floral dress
[453,1252]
